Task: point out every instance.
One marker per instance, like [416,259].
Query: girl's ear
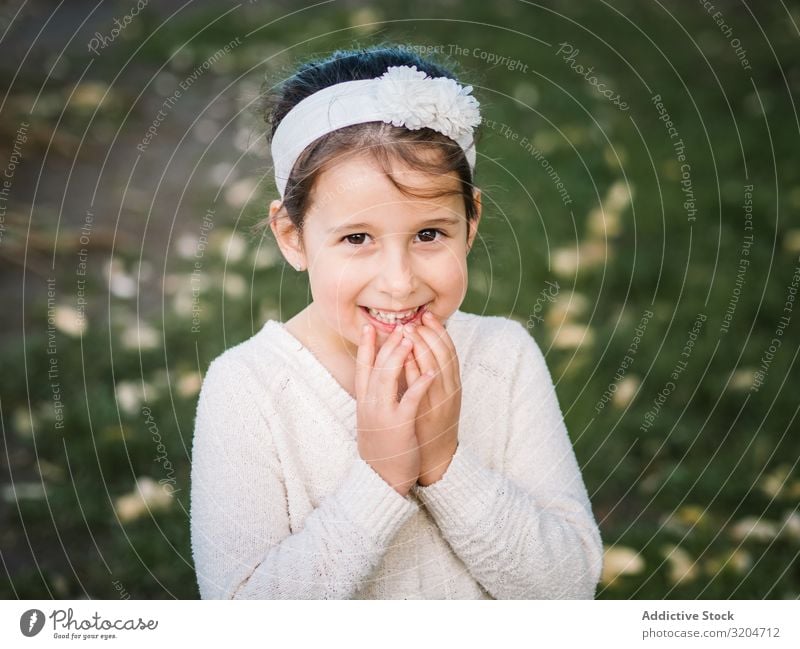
[286,235]
[473,226]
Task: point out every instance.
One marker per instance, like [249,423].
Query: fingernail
[409,328]
[365,329]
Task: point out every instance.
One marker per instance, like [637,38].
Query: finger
[432,321]
[451,367]
[364,359]
[446,360]
[422,352]
[413,396]
[389,346]
[413,373]
[413,369]
[389,374]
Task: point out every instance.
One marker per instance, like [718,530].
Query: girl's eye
[434,231]
[357,239]
[349,238]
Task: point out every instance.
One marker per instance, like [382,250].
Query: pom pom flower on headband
[409,98]
[402,96]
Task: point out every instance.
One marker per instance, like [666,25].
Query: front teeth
[391,317]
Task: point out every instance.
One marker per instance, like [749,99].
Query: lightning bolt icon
[32,621]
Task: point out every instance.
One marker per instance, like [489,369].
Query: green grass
[711,449]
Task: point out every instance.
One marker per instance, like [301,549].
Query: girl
[382,444]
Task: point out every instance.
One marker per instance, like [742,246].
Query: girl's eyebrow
[444,220]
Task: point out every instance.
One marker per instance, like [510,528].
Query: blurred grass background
[702,503]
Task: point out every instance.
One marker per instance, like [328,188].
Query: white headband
[402,96]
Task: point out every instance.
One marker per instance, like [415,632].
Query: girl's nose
[398,275]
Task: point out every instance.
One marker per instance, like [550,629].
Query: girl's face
[368,247]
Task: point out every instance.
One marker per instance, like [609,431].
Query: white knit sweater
[283,506]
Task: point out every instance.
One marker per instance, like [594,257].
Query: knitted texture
[283,506]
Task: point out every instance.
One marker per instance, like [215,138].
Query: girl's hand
[440,408]
[386,438]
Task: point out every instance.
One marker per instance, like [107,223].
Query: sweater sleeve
[527,532]
[242,544]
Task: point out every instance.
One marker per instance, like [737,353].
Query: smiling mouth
[391,318]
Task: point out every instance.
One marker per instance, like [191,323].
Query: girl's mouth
[383,325]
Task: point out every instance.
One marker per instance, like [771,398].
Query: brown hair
[424,149]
